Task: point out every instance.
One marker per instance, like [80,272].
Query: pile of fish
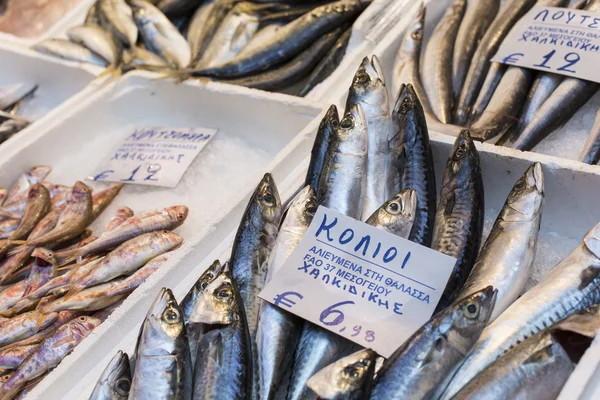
[266,45]
[11,98]
[59,281]
[506,105]
[376,164]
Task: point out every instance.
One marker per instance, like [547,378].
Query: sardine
[437,62]
[320,150]
[572,285]
[491,82]
[38,205]
[99,40]
[344,177]
[278,330]
[421,367]
[506,258]
[115,381]
[368,89]
[478,17]
[117,17]
[159,34]
[509,14]
[459,217]
[70,51]
[411,162]
[397,215]
[349,378]
[196,25]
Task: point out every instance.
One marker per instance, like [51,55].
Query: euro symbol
[282,300]
[512,58]
[101,175]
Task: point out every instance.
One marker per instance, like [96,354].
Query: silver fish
[506,258]
[98,40]
[478,17]
[420,368]
[160,35]
[279,331]
[437,62]
[69,51]
[117,17]
[162,361]
[368,89]
[572,285]
[349,378]
[196,26]
[264,34]
[591,151]
[138,56]
[343,178]
[492,79]
[396,215]
[115,381]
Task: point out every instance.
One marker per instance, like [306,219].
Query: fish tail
[110,73]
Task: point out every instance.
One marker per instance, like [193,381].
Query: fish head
[118,375]
[463,159]
[302,209]
[525,200]
[80,192]
[413,39]
[368,88]
[83,325]
[267,201]
[352,131]
[330,121]
[37,190]
[219,303]
[399,210]
[177,214]
[164,321]
[591,240]
[348,375]
[407,117]
[208,276]
[44,256]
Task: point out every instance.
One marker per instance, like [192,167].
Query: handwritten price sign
[558,40]
[360,282]
[153,156]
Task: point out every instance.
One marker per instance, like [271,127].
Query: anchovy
[459,217]
[368,89]
[320,149]
[571,286]
[421,367]
[115,381]
[349,378]
[437,62]
[478,17]
[117,17]
[162,361]
[38,205]
[278,330]
[223,369]
[328,63]
[397,215]
[291,72]
[509,14]
[70,51]
[343,179]
[99,40]
[411,162]
[195,27]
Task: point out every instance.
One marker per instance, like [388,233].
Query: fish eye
[311,210]
[83,319]
[180,216]
[393,208]
[347,123]
[334,122]
[351,372]
[268,199]
[417,35]
[460,152]
[123,386]
[204,283]
[224,293]
[520,185]
[362,77]
[471,310]
[171,316]
[439,343]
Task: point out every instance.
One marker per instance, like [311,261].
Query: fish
[69,51]
[506,258]
[509,14]
[459,217]
[278,330]
[15,93]
[115,381]
[317,348]
[22,395]
[217,12]
[140,57]
[101,200]
[196,25]
[161,219]
[25,181]
[476,20]
[91,17]
[162,360]
[591,150]
[291,72]
[117,17]
[502,111]
[571,286]
[38,205]
[437,61]
[420,368]
[39,274]
[232,35]
[369,90]
[291,39]
[10,127]
[397,215]
[252,246]
[7,227]
[328,63]
[23,326]
[223,369]
[11,295]
[49,354]
[128,258]
[263,35]
[411,162]
[193,330]
[344,177]
[491,82]
[177,8]
[160,35]
[348,378]
[320,149]
[120,216]
[13,357]
[99,40]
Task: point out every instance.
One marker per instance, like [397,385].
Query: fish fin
[18,249]
[436,351]
[43,303]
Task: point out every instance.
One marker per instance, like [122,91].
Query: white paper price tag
[559,40]
[153,156]
[360,282]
